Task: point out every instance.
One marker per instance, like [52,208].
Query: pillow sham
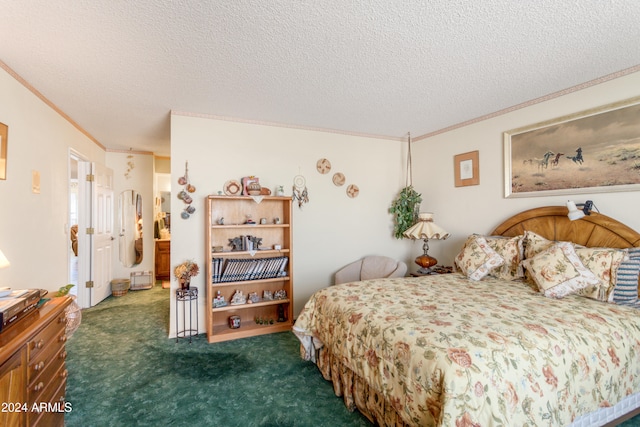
[625,291]
[535,243]
[558,271]
[477,259]
[604,263]
[512,251]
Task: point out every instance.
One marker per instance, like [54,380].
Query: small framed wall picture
[467,169]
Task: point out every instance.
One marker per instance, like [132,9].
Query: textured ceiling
[380,67]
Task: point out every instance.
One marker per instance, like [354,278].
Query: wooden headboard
[551,222]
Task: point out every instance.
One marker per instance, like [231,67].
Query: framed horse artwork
[594,150]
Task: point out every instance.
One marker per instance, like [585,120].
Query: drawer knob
[63,338]
[64,374]
[63,355]
[39,344]
[62,319]
[39,386]
[38,366]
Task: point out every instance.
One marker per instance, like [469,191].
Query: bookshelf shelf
[248,271]
[252,305]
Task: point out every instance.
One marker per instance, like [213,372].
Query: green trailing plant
[64,290]
[405,209]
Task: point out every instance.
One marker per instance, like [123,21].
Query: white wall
[33,227]
[330,231]
[479,209]
[140,179]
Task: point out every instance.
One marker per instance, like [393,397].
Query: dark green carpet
[124,371]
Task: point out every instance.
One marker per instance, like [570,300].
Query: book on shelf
[242,269]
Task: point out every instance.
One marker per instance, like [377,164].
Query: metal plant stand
[186,298]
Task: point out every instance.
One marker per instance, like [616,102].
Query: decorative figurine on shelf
[221,221]
[280,190]
[256,241]
[281,315]
[234,322]
[280,294]
[253,297]
[249,220]
[219,301]
[238,298]
[236,243]
[267,295]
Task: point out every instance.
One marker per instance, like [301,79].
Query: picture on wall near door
[4,132]
[595,150]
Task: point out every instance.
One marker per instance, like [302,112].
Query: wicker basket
[120,287]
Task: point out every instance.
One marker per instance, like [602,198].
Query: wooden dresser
[163,259]
[33,376]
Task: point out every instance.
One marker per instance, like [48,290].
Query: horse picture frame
[596,150]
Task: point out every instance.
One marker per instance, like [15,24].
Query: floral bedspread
[448,351]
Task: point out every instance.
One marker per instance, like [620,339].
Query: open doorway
[162,229]
[72,224]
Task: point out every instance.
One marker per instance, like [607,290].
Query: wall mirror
[130,231]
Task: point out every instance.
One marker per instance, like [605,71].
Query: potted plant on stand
[184,272]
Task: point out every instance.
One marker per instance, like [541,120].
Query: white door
[95,232]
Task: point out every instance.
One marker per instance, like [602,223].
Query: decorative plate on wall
[338,179]
[323,166]
[232,188]
[353,191]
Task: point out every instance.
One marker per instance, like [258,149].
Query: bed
[523,344]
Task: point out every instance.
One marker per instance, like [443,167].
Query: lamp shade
[4,262]
[425,228]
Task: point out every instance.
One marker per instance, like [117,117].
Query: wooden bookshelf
[231,241]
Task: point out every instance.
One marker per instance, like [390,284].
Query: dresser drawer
[53,416]
[47,382]
[38,343]
[44,355]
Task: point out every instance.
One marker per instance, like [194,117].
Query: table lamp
[425,229]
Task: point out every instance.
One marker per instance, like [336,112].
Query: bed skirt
[355,392]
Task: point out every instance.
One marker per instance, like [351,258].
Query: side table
[436,269]
[186,298]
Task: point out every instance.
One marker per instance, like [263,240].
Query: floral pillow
[534,244]
[477,258]
[558,271]
[512,251]
[604,263]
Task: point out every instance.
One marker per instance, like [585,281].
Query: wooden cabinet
[255,259]
[33,376]
[163,259]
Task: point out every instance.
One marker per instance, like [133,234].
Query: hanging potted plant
[405,209]
[406,206]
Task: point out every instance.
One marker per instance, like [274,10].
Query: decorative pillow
[534,244]
[512,251]
[558,271]
[625,291]
[477,259]
[604,263]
